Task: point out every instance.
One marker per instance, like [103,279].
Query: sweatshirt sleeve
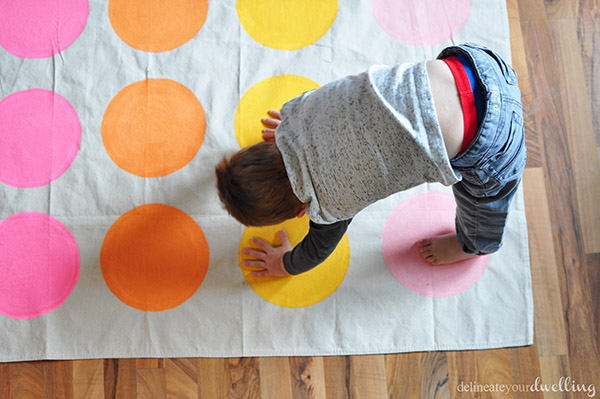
[318,244]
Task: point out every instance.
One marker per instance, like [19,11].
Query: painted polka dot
[425,215]
[267,94]
[40,29]
[39,265]
[422,23]
[157,25]
[40,135]
[153,127]
[154,257]
[304,289]
[288,25]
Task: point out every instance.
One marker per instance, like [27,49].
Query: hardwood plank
[58,379]
[308,377]
[181,378]
[588,35]
[148,363]
[151,383]
[553,368]
[367,377]
[27,380]
[579,130]
[494,370]
[434,382]
[404,375]
[560,9]
[462,371]
[549,319]
[525,369]
[535,153]
[120,379]
[213,378]
[519,63]
[275,378]
[575,291]
[531,10]
[337,377]
[244,378]
[88,379]
[5,380]
[594,279]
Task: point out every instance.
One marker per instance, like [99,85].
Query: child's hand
[270,259]
[271,123]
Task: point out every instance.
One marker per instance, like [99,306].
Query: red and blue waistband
[471,95]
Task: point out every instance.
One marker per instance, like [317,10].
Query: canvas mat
[371,311]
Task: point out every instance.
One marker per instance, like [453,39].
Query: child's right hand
[271,123]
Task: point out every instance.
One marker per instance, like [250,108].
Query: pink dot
[419,22]
[41,28]
[425,215]
[39,265]
[40,135]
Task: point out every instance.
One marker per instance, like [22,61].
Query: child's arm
[315,248]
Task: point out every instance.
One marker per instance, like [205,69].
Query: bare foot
[442,250]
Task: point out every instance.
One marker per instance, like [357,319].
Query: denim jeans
[492,165]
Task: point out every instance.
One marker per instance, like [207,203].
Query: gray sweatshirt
[360,139]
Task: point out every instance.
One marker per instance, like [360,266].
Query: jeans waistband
[500,87]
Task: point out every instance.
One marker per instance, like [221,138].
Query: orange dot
[153,127]
[154,257]
[157,25]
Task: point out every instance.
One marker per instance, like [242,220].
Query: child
[333,151]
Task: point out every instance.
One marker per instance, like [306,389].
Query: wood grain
[88,379]
[213,378]
[5,380]
[337,377]
[308,377]
[553,368]
[27,380]
[548,313]
[404,375]
[368,377]
[579,130]
[277,371]
[181,378]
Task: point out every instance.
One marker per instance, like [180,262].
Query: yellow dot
[267,94]
[304,289]
[157,25]
[286,25]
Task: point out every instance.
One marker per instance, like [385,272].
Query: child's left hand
[270,259]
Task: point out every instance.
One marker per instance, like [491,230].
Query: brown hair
[254,186]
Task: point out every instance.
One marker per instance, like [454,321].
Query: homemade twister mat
[113,243]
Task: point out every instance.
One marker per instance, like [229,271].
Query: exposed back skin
[447,105]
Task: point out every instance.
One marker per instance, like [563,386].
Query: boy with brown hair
[333,151]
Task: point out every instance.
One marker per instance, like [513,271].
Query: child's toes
[425,242]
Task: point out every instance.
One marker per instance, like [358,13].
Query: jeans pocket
[509,74]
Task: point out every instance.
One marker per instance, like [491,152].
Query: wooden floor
[556,52]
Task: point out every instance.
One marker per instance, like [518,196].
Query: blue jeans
[492,165]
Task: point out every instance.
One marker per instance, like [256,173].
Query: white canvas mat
[370,312]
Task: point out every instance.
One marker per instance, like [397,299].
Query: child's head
[254,186]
